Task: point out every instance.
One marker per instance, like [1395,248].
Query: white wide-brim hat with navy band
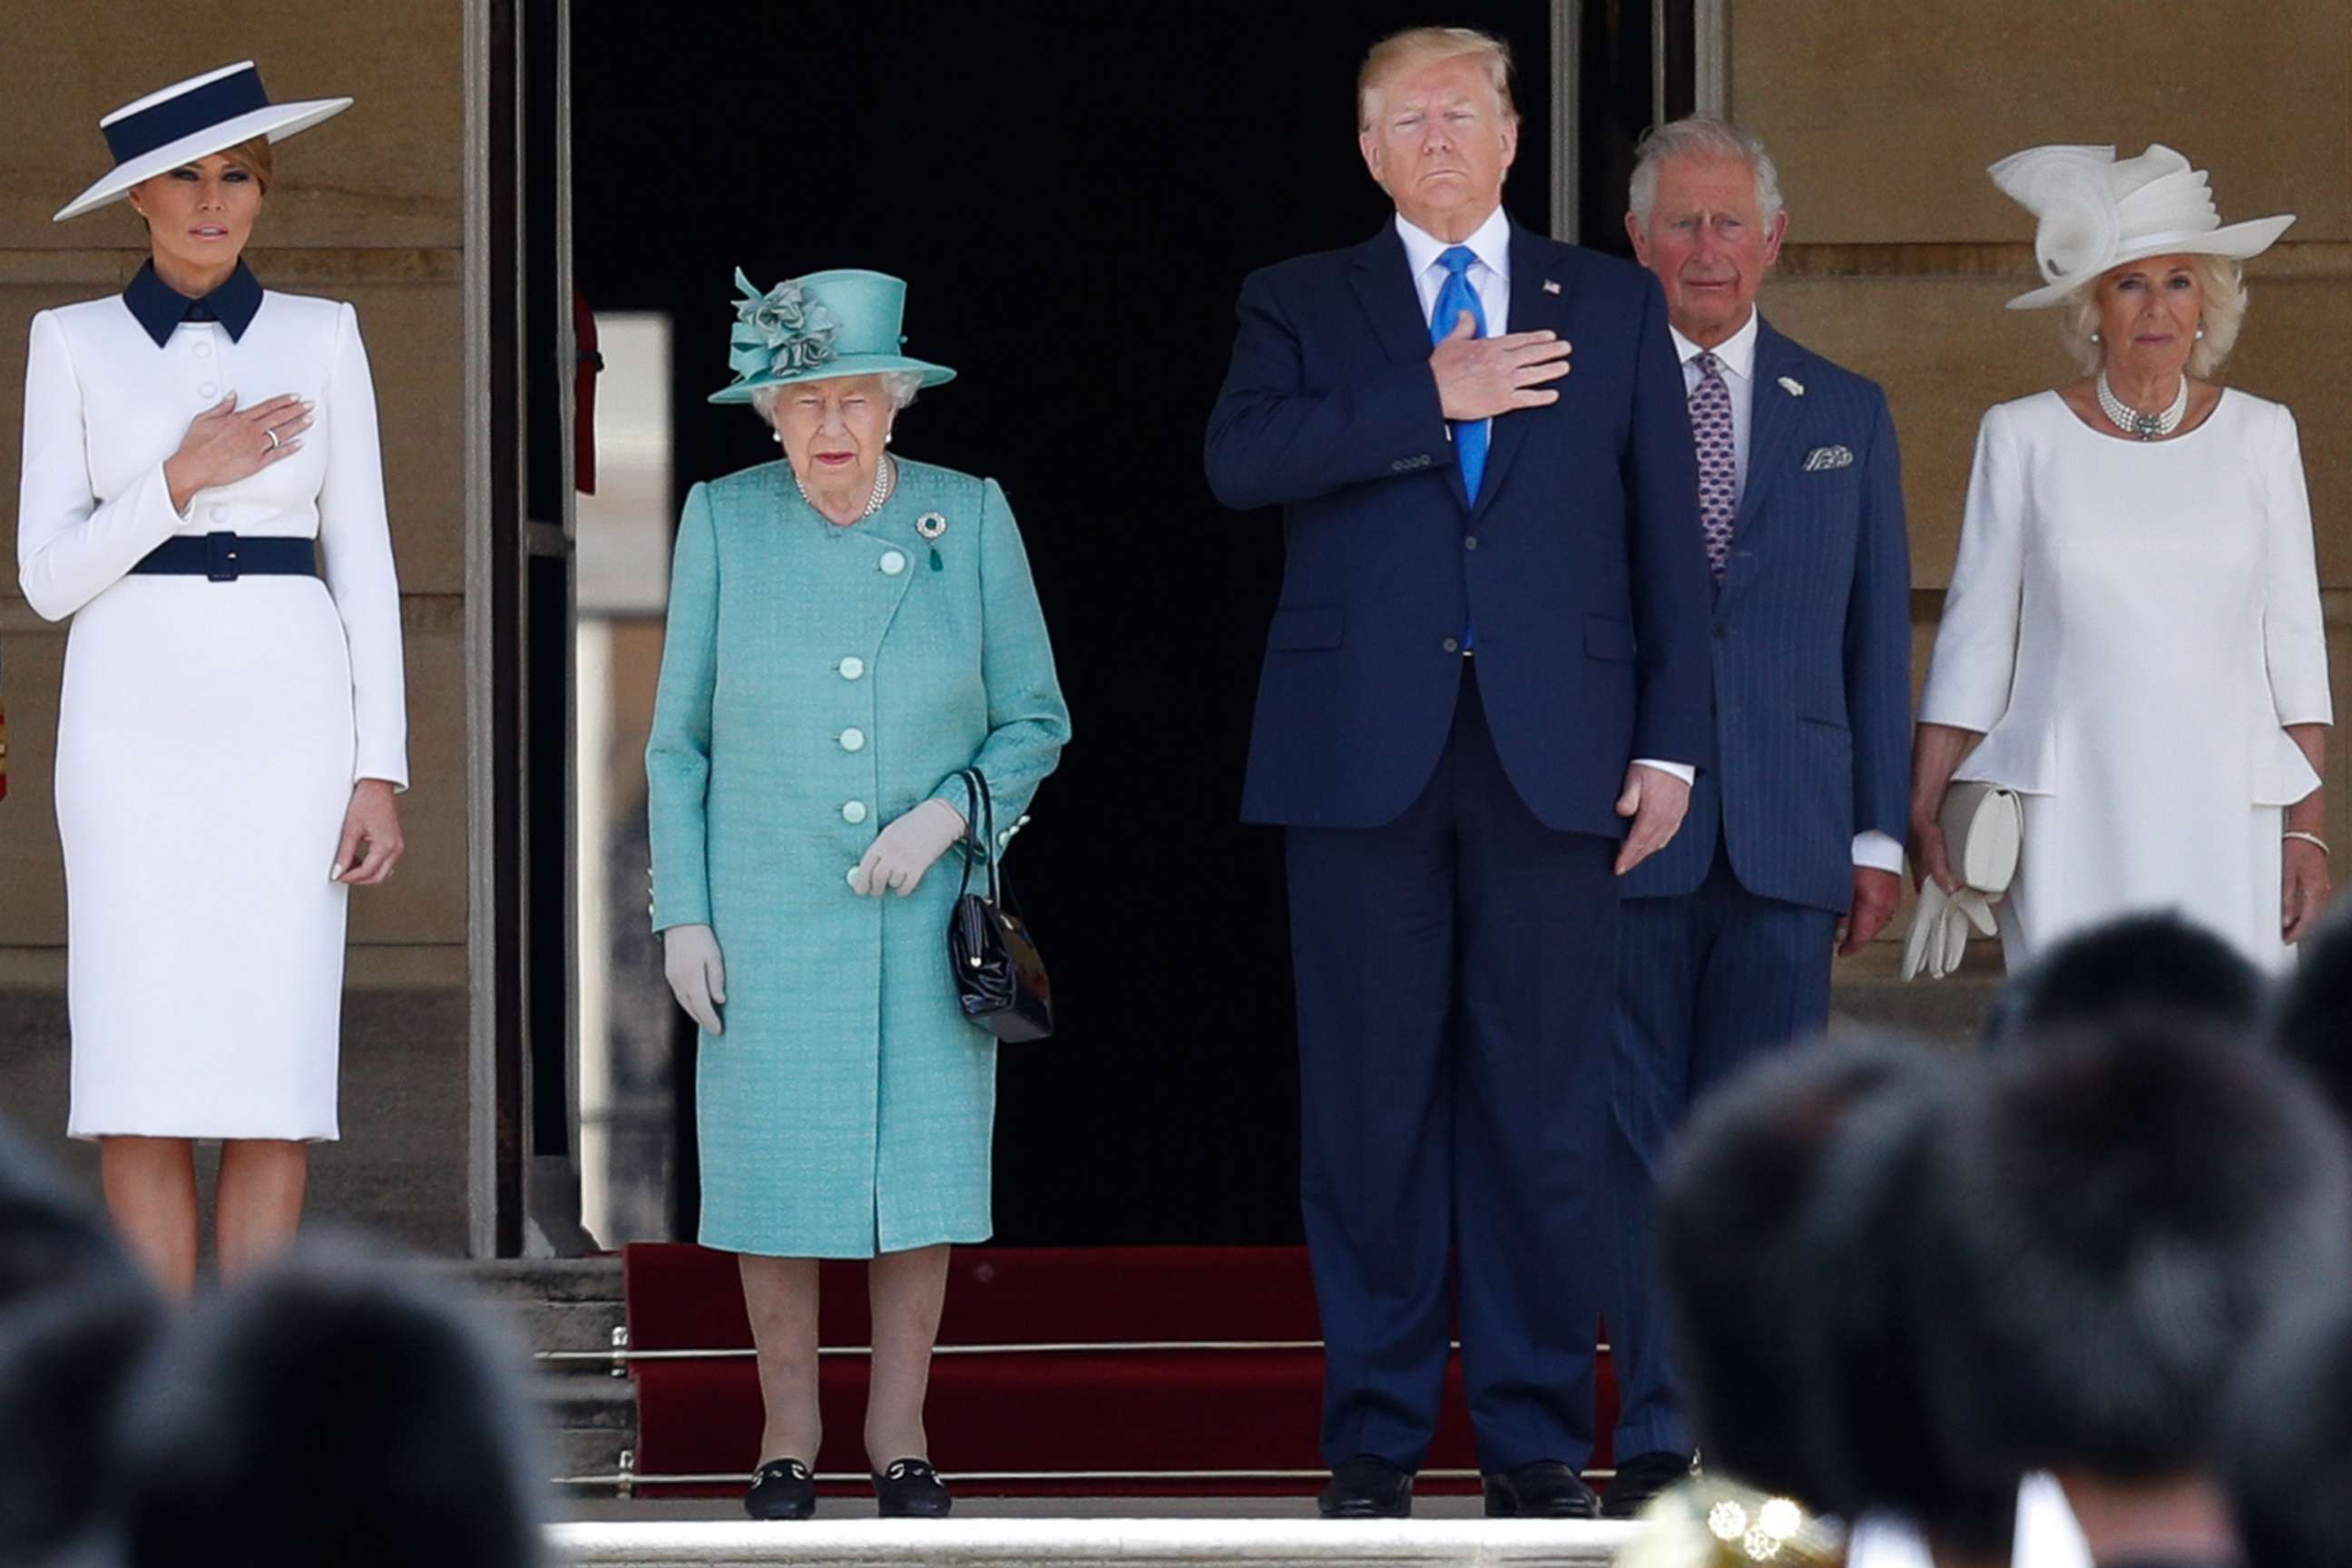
[827,324]
[2097,212]
[191,119]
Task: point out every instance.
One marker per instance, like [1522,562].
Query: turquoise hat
[827,324]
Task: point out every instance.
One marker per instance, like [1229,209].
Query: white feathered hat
[191,119]
[2097,211]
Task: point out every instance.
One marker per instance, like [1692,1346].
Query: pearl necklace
[2132,422]
[885,475]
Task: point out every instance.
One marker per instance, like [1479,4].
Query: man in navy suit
[1494,602]
[1728,931]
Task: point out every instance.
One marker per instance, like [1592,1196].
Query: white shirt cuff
[1878,851]
[1682,771]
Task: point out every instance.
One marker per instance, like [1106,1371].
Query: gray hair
[901,386]
[1702,136]
[2225,311]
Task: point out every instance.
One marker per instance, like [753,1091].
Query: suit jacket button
[1470,542]
[1452,644]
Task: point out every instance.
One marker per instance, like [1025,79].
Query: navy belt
[225,557]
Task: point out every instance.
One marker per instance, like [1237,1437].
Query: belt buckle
[221,553]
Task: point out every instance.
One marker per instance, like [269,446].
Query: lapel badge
[931,525]
[1821,458]
[1550,287]
[1792,386]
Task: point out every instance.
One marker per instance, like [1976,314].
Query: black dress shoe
[1544,1489]
[781,1488]
[910,1488]
[1639,1479]
[1367,1487]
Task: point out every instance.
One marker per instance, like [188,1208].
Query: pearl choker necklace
[2132,422]
[886,475]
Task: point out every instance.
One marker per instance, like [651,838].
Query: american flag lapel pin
[1550,287]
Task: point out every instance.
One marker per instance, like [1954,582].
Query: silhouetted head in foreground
[2148,965]
[329,1411]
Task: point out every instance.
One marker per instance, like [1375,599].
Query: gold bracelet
[2309,838]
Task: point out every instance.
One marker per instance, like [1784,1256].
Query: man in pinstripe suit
[1793,845]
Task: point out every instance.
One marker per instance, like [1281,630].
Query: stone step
[1090,1543]
[587,1425]
[569,1305]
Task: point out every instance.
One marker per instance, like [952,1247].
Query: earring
[2201,333]
[886,435]
[777,437]
[2095,337]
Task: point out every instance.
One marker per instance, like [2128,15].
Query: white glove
[1939,929]
[910,846]
[697,974]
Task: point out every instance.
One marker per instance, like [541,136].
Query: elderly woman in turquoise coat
[847,631]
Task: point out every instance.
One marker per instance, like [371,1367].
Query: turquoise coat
[817,682]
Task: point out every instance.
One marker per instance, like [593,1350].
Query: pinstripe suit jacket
[1811,643]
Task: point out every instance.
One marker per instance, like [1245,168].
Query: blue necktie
[1454,297]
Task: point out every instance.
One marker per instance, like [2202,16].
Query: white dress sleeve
[1970,674]
[69,547]
[2295,642]
[356,541]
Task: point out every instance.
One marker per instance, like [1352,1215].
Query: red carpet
[1145,1389]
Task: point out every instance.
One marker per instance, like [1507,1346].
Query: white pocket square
[1821,458]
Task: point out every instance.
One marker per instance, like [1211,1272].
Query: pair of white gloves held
[900,855]
[1940,928]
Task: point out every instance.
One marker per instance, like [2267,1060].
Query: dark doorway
[1073,196]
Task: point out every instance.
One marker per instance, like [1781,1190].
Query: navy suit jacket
[1579,565]
[1812,646]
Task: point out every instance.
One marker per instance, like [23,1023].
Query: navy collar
[160,308]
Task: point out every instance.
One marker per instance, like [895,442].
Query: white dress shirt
[1736,361]
[1490,276]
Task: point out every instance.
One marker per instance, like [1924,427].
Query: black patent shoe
[1544,1490]
[1367,1487]
[910,1488]
[781,1488]
[1641,1479]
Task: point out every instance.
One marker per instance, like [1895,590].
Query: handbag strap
[979,831]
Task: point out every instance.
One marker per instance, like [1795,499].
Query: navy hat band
[197,110]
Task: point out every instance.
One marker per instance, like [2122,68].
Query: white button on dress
[851,668]
[853,812]
[853,739]
[893,562]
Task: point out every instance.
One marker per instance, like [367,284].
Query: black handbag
[1000,979]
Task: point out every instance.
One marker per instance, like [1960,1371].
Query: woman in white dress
[2132,639]
[232,729]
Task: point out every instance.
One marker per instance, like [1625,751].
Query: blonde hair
[255,158]
[1418,46]
[2224,282]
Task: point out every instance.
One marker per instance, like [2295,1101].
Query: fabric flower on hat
[782,331]
[2068,189]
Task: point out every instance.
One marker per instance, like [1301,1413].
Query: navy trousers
[1706,982]
[1457,972]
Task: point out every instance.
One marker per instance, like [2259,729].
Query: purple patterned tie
[1718,460]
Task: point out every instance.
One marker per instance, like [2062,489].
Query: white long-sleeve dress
[2133,624]
[209,732]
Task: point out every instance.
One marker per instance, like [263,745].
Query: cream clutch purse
[1984,830]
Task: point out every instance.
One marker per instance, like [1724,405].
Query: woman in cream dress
[231,729]
[2132,638]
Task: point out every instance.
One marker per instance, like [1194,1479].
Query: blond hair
[1416,47]
[2224,283]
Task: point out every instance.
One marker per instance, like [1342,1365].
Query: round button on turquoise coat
[853,739]
[853,812]
[851,668]
[893,562]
